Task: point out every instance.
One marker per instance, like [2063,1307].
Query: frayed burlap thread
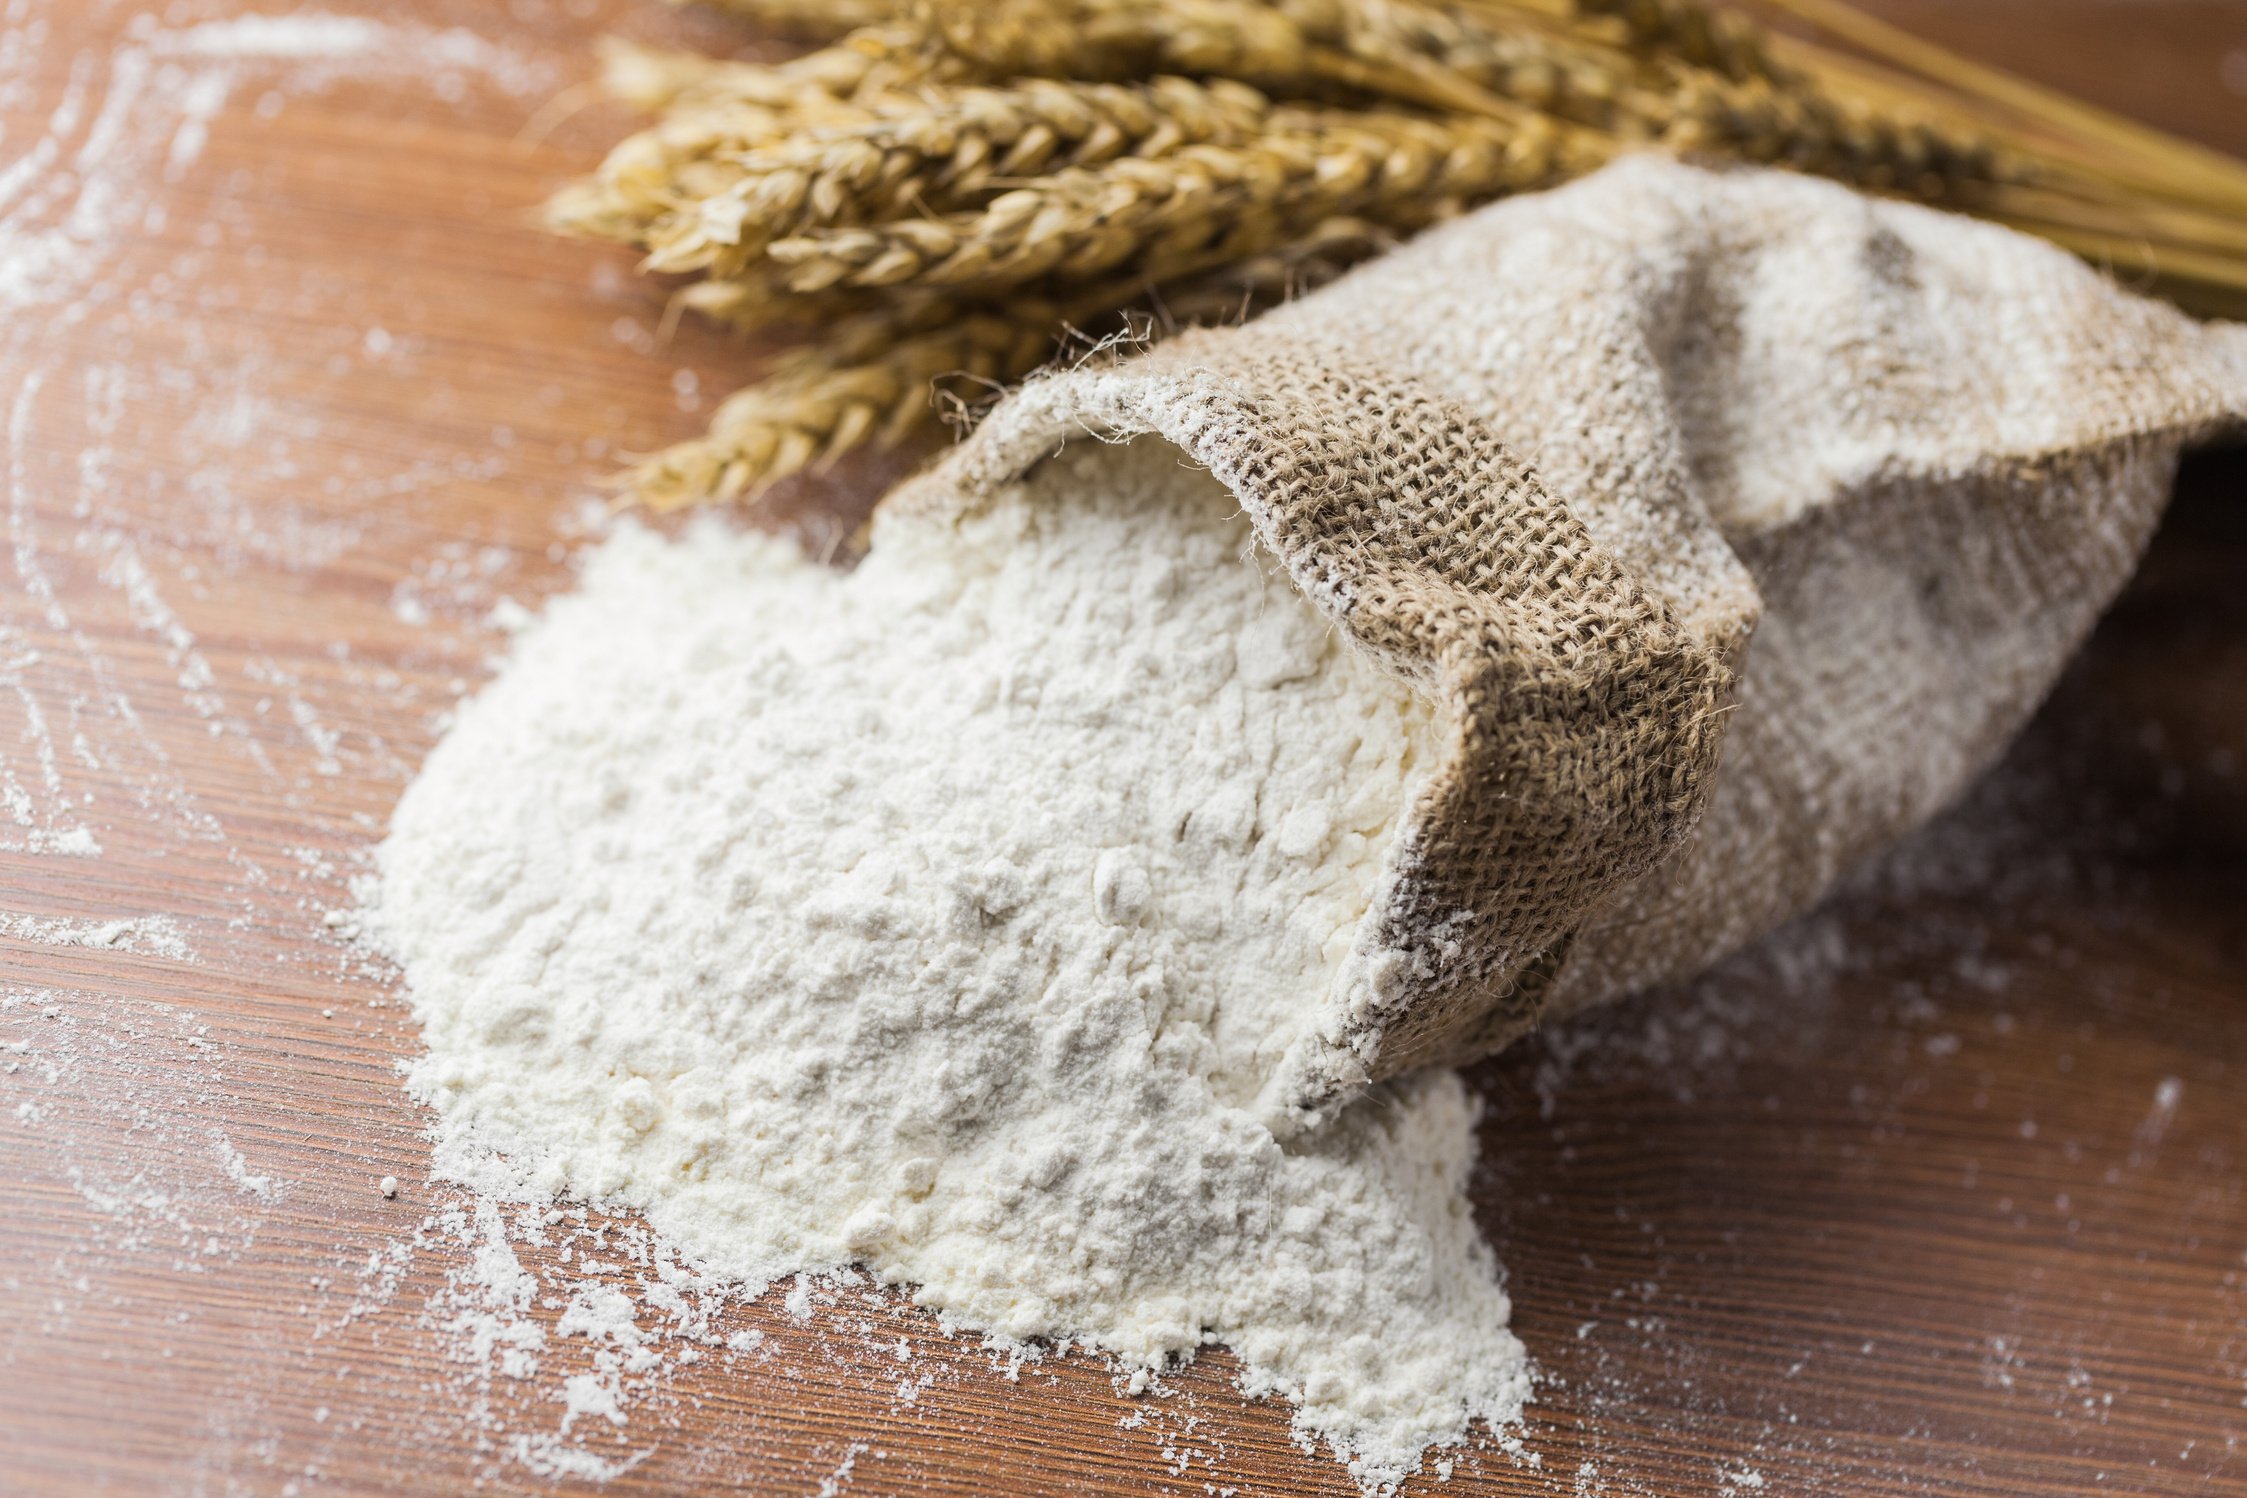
[1732,521]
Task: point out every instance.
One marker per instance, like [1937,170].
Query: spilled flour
[945,919]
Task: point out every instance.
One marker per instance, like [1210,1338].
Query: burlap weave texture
[1732,520]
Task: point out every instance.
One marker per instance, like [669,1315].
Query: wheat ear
[1156,213]
[871,380]
[1802,128]
[946,154]
[913,194]
[1537,69]
[817,20]
[874,61]
[714,109]
[1724,42]
[874,376]
[1295,51]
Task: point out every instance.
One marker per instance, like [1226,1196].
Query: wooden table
[1940,1193]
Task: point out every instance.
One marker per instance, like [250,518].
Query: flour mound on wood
[945,918]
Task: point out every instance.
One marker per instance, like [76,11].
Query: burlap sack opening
[1558,462]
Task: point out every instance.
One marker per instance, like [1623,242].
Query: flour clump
[945,918]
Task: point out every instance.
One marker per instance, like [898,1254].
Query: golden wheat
[1294,51]
[952,186]
[871,62]
[1686,31]
[945,155]
[1308,165]
[871,381]
[1546,71]
[1757,121]
[873,377]
[815,19]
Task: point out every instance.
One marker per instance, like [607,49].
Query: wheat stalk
[2143,157]
[1291,50]
[1221,290]
[952,186]
[871,62]
[1546,71]
[1318,49]
[870,382]
[819,20]
[1758,121]
[945,155]
[1308,165]
[873,376]
[715,107]
[1723,42]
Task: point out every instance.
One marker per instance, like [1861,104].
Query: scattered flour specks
[148,935]
[116,119]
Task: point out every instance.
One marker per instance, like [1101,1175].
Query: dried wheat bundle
[963,188]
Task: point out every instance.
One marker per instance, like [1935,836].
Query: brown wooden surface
[1940,1193]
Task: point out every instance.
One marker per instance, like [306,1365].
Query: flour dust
[944,919]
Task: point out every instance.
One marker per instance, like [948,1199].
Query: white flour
[944,919]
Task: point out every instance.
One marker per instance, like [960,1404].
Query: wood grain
[1940,1192]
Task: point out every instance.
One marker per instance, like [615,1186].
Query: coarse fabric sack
[1732,520]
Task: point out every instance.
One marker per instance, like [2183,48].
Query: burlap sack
[1733,521]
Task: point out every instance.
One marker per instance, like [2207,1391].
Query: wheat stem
[2155,157]
[955,185]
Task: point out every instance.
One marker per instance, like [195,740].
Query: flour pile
[946,918]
